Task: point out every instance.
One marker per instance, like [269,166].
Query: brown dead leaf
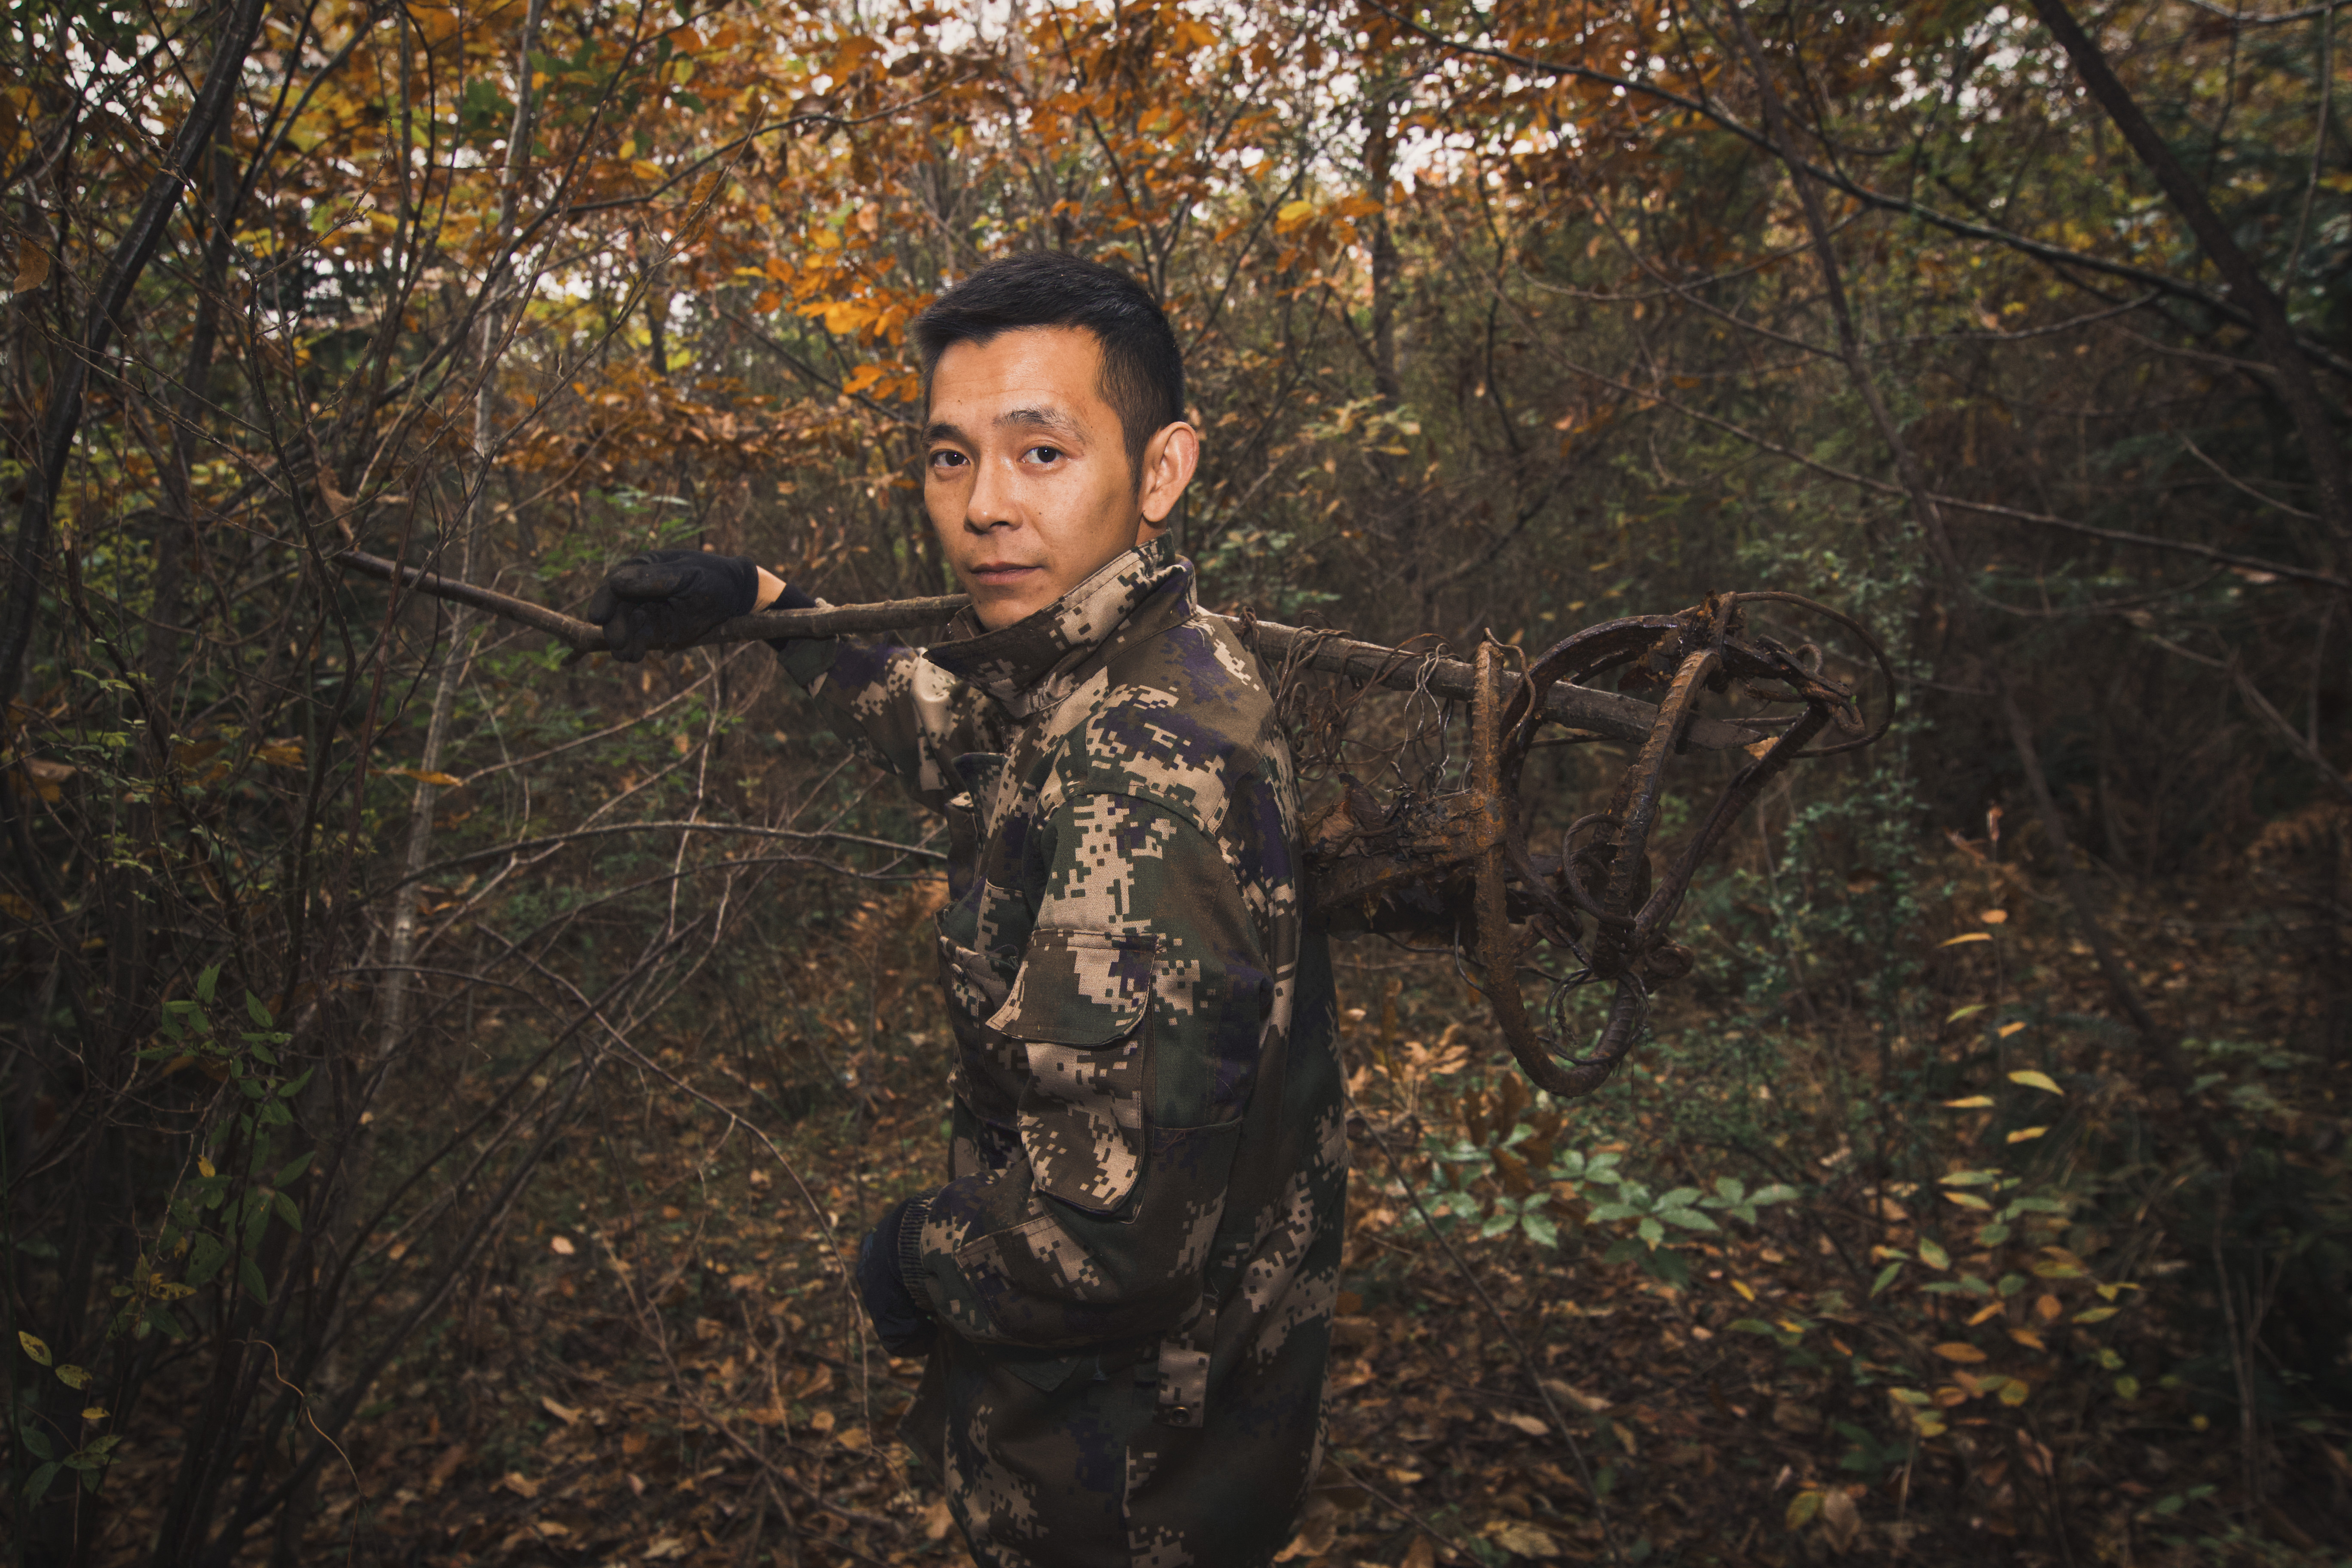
[32,267]
[1318,1525]
[444,1467]
[563,1413]
[47,775]
[1520,1537]
[1533,1425]
[1420,1554]
[519,1484]
[938,1521]
[1573,1397]
[1840,1520]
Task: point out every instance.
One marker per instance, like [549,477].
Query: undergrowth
[1747,1304]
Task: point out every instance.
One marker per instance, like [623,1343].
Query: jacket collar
[1033,663]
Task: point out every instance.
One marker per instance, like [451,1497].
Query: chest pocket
[1078,1009]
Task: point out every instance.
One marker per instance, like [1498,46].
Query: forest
[445,1076]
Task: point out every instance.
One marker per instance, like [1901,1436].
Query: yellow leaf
[1958,1350]
[645,169]
[2032,1080]
[1968,1200]
[96,1413]
[844,317]
[1967,936]
[1992,917]
[2006,1030]
[34,1347]
[2097,1314]
[2024,1134]
[2016,1391]
[1959,1013]
[2028,1337]
[439,780]
[281,753]
[1801,1508]
[1292,214]
[1741,1286]
[863,376]
[1973,1103]
[74,1377]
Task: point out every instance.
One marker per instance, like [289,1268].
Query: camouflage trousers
[1053,1463]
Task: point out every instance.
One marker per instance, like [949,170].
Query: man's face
[1026,477]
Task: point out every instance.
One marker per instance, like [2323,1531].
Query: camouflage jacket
[1136,1254]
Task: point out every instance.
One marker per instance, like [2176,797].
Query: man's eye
[1042,454]
[946,459]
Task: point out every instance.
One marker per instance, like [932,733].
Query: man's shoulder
[1182,717]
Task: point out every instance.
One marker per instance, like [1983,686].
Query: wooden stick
[1605,713]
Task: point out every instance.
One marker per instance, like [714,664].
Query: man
[1125,1287]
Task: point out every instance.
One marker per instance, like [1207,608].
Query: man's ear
[1169,458]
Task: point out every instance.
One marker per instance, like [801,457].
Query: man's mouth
[998,572]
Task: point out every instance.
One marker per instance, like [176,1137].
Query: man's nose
[990,504]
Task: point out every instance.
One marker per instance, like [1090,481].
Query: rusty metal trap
[1447,852]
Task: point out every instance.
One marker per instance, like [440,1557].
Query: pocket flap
[1079,987]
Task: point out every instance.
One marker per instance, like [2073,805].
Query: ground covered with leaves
[1738,1309]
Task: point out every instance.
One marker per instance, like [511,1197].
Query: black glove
[792,598]
[668,598]
[900,1320]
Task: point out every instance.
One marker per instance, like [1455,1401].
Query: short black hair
[1142,370]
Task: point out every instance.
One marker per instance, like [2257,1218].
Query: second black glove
[668,598]
[900,1321]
